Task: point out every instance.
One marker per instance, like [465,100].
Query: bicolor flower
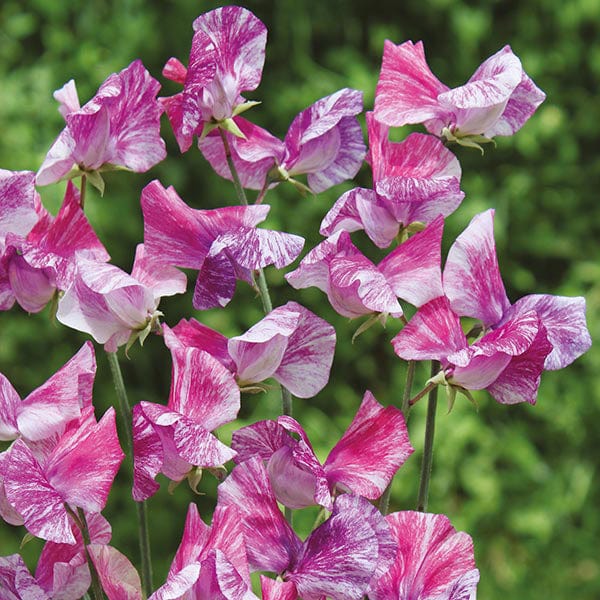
[69,473]
[497,100]
[35,265]
[473,284]
[118,128]
[414,181]
[210,561]
[363,462]
[433,560]
[324,142]
[176,438]
[356,287]
[116,308]
[291,344]
[337,560]
[226,58]
[223,244]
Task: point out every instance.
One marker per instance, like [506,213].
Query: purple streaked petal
[175,70]
[372,449]
[215,284]
[16,582]
[202,389]
[273,589]
[67,98]
[118,577]
[59,160]
[270,541]
[407,90]
[148,455]
[433,333]
[565,324]
[91,131]
[10,402]
[472,279]
[79,473]
[178,584]
[17,206]
[160,279]
[480,371]
[32,287]
[434,560]
[220,580]
[260,439]
[413,269]
[306,363]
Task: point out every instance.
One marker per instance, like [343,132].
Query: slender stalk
[384,501]
[263,192]
[426,390]
[142,514]
[239,190]
[427,460]
[82,191]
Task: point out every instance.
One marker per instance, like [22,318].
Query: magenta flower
[337,560]
[508,361]
[118,577]
[497,100]
[175,438]
[114,307]
[363,462]
[416,180]
[118,127]
[71,473]
[210,561]
[473,284]
[227,58]
[433,560]
[356,287]
[324,142]
[34,266]
[290,344]
[224,244]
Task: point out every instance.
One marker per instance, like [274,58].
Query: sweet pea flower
[356,287]
[473,284]
[414,181]
[339,558]
[35,265]
[363,462]
[118,128]
[433,560]
[507,361]
[118,577]
[210,561]
[226,58]
[114,307]
[323,142]
[497,100]
[291,344]
[223,244]
[69,473]
[177,438]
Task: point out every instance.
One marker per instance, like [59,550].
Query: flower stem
[263,192]
[426,390]
[82,191]
[384,501]
[142,515]
[427,461]
[239,190]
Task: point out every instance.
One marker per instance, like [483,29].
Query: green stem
[263,192]
[142,515]
[426,390]
[239,190]
[82,191]
[427,461]
[384,501]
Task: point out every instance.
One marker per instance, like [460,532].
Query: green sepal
[26,539]
[219,473]
[242,108]
[173,485]
[303,189]
[415,227]
[468,141]
[231,126]
[451,395]
[208,127]
[257,388]
[194,478]
[96,180]
[374,318]
[469,396]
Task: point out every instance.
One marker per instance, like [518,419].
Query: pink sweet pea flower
[356,287]
[227,58]
[223,244]
[433,560]
[43,261]
[497,100]
[114,307]
[71,473]
[118,127]
[118,577]
[210,561]
[337,560]
[416,180]
[363,462]
[175,438]
[290,344]
[508,361]
[474,286]
[323,142]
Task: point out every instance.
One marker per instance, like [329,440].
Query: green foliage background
[521,480]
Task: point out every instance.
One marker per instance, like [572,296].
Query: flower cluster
[54,481]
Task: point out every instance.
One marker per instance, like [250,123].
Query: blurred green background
[521,480]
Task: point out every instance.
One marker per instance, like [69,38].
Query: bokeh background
[521,480]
